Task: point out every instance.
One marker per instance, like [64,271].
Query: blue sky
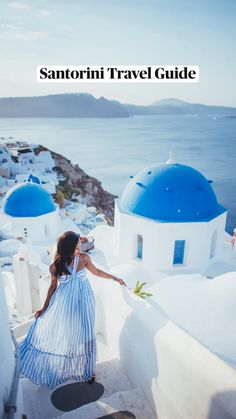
[109,32]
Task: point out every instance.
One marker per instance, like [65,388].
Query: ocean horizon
[114,149]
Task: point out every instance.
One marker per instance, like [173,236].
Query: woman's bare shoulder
[84,257]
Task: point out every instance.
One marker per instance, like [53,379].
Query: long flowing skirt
[61,343]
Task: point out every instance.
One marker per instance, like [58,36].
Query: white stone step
[37,400]
[112,376]
[132,401]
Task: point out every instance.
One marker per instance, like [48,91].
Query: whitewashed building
[32,208]
[6,163]
[168,220]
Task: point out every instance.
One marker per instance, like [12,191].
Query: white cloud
[17,32]
[44,13]
[19,5]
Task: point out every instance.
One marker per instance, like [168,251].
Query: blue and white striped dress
[61,343]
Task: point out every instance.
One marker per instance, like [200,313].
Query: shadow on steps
[72,396]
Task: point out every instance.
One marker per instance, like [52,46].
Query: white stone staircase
[119,395]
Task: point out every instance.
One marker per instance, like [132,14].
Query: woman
[61,343]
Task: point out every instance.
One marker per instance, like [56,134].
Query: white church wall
[159,242]
[36,229]
[217,225]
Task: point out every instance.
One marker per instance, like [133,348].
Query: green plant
[138,290]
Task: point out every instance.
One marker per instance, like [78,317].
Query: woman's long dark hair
[66,246]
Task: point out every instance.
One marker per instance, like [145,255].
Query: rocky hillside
[80,187]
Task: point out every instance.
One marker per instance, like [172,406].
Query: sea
[114,149]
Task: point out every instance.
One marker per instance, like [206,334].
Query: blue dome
[33,179]
[171,193]
[28,200]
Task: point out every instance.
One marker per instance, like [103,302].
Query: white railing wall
[180,377]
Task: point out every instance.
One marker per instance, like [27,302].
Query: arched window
[178,258]
[213,244]
[139,253]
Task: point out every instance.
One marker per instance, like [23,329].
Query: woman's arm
[98,272]
[51,291]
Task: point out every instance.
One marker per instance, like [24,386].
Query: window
[139,253]
[179,252]
[213,244]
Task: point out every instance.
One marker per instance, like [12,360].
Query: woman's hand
[39,313]
[98,272]
[121,282]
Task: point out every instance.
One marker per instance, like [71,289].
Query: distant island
[180,107]
[84,105]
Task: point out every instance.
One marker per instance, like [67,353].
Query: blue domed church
[168,219]
[32,208]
